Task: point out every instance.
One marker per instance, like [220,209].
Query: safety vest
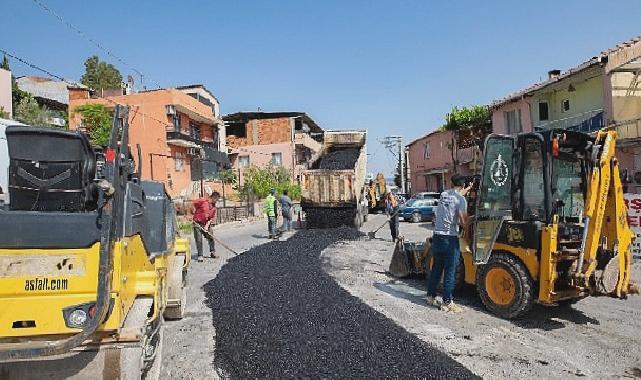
[270,205]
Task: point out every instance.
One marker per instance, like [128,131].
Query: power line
[138,111]
[91,40]
[49,73]
[100,46]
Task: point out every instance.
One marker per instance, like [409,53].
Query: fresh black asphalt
[277,314]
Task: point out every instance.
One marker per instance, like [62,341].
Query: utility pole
[395,145]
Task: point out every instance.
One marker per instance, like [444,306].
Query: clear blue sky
[393,67]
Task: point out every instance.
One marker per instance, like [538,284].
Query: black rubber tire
[416,217]
[524,296]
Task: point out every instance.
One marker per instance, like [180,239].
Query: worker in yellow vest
[271,210]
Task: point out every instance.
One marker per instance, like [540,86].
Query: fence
[234,213]
[223,214]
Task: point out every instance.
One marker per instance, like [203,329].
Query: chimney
[554,73]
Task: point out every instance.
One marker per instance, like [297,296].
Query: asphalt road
[189,347]
[297,321]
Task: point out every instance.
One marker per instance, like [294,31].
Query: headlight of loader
[77,318]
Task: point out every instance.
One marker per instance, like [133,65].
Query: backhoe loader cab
[549,223]
[90,259]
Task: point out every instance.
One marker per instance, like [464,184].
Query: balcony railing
[590,121]
[628,129]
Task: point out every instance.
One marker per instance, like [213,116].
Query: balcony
[588,122]
[628,129]
[184,140]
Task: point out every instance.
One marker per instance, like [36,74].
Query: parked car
[419,210]
[427,195]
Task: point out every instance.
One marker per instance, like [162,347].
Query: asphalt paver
[277,314]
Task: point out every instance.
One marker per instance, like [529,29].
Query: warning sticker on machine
[46,284]
[633,201]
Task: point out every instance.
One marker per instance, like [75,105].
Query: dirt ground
[595,338]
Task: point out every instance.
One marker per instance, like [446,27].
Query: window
[567,198]
[426,152]
[176,119]
[194,130]
[513,121]
[179,161]
[277,159]
[565,105]
[237,129]
[243,161]
[544,113]
[533,181]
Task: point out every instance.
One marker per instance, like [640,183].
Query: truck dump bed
[337,175]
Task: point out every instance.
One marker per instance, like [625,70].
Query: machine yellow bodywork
[562,269]
[134,275]
[91,297]
[560,273]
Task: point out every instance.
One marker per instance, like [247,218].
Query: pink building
[430,159]
[511,116]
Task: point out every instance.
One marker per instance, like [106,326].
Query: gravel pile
[339,160]
[277,314]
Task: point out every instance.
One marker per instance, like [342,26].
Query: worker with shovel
[391,206]
[204,216]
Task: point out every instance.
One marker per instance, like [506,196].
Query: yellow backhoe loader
[549,224]
[90,259]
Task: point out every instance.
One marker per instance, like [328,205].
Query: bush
[259,181]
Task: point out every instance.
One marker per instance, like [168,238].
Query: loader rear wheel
[505,287]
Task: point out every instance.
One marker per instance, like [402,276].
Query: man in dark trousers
[451,213]
[204,214]
[391,206]
[286,208]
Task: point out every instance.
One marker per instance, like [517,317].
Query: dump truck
[333,189]
[549,224]
[90,259]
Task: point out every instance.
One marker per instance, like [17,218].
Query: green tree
[97,120]
[5,63]
[100,75]
[259,181]
[229,177]
[3,114]
[463,118]
[29,112]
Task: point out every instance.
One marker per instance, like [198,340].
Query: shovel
[372,234]
[210,236]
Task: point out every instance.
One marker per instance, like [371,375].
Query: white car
[4,160]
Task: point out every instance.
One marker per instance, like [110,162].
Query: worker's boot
[451,308]
[200,259]
[433,301]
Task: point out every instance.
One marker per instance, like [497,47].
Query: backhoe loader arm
[605,221]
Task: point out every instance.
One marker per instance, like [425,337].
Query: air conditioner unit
[171,109]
